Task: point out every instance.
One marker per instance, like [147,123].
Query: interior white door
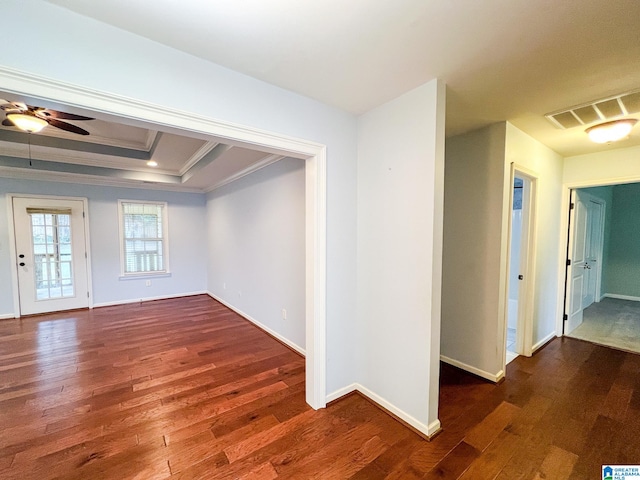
[579,268]
[595,217]
[51,254]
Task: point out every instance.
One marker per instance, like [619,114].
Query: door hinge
[568,262]
[83,214]
[572,206]
[85,255]
[87,294]
[565,317]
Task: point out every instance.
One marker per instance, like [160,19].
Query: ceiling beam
[205,160]
[154,145]
[59,167]
[75,145]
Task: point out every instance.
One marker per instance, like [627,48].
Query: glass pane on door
[51,240]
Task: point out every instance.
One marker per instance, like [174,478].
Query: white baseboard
[622,297]
[341,392]
[7,316]
[543,342]
[492,377]
[428,430]
[146,299]
[271,332]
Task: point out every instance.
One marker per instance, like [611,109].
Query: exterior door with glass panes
[50,254]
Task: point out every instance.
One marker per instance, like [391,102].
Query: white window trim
[165,240]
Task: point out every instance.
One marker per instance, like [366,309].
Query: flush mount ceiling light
[611,131]
[27,122]
[152,163]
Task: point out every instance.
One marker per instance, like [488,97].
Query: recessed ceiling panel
[229,165]
[173,152]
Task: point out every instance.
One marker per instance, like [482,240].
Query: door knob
[22,264]
[21,255]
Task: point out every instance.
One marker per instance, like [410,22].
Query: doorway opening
[515,277]
[314,155]
[519,308]
[603,251]
[585,256]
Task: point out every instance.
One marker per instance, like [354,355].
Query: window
[143,236]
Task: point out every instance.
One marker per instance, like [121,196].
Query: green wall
[622,275]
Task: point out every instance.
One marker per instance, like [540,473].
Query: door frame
[14,254]
[524,330]
[315,159]
[564,237]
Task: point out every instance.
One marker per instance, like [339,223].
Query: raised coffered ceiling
[116,152]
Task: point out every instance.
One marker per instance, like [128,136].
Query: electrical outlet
[224,285]
[239,293]
[147,283]
[284,313]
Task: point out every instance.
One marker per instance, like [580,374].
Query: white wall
[186,215]
[547,165]
[400,182]
[93,55]
[256,246]
[475,189]
[477,210]
[618,165]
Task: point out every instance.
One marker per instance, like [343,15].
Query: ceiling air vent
[598,111]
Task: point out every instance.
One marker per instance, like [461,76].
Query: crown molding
[268,160]
[73,158]
[100,140]
[64,177]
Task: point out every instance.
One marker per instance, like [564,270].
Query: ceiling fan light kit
[33,119]
[611,131]
[28,123]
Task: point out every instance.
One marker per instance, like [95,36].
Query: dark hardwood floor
[185,388]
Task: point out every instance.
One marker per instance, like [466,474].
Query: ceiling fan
[33,119]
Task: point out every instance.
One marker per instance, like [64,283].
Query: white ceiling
[513,60]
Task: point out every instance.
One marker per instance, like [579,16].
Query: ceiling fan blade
[46,113]
[10,106]
[7,123]
[66,126]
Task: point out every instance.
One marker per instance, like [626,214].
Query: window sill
[143,276]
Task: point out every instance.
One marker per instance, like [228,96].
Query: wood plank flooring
[185,388]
